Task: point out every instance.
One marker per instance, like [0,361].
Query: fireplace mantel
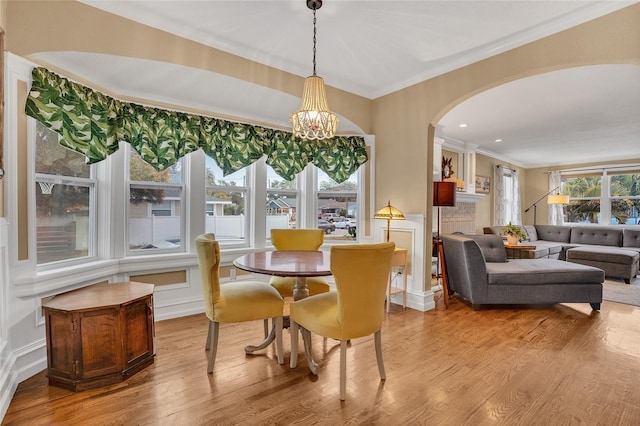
[466,197]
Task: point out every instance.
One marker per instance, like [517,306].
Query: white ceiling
[372,48]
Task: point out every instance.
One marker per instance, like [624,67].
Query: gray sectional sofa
[612,249]
[479,271]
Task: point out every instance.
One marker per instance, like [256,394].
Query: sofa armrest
[466,268]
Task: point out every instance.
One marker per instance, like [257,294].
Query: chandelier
[314,120]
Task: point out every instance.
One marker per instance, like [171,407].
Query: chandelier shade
[314,120]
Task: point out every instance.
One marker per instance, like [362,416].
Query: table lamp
[389,213]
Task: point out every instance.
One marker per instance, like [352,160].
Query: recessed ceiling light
[463,125]
[498,140]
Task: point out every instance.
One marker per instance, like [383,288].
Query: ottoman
[615,262]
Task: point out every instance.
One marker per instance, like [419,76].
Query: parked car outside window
[327,226]
[345,223]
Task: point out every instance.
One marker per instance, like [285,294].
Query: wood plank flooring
[536,365]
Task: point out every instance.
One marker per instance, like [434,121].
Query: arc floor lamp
[553,199]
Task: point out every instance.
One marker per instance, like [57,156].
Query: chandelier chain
[315,31]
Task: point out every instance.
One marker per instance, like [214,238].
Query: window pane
[583,211]
[215,177]
[62,221]
[155,221]
[582,187]
[282,202]
[154,218]
[225,214]
[625,202]
[337,207]
[141,171]
[54,159]
[584,194]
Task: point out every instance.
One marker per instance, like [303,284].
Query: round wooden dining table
[288,263]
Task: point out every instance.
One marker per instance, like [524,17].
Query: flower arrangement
[515,232]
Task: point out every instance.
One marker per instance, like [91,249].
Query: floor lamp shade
[444,194]
[558,199]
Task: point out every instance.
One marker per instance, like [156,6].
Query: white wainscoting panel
[418,297]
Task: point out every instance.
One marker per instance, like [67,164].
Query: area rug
[618,291]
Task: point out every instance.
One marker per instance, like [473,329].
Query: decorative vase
[512,240]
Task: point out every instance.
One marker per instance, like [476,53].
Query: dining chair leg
[343,370]
[206,345]
[266,328]
[378,342]
[277,323]
[214,329]
[293,361]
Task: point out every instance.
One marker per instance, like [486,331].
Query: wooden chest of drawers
[99,335]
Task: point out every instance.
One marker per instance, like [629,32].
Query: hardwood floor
[516,365]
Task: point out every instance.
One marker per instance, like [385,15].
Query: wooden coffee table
[516,251]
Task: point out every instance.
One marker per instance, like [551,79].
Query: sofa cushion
[603,254]
[491,246]
[596,236]
[531,232]
[557,233]
[631,238]
[542,271]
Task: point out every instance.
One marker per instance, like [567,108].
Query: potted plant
[514,234]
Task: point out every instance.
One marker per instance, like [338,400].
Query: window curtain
[93,123]
[506,199]
[499,197]
[555,211]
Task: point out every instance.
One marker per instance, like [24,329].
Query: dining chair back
[298,239]
[355,309]
[236,301]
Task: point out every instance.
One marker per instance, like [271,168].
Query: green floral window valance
[93,123]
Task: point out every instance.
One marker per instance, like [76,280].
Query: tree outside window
[619,194]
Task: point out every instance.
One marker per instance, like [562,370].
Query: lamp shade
[314,120]
[444,194]
[389,212]
[558,199]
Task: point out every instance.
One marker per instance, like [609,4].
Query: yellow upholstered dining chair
[298,239]
[356,309]
[237,301]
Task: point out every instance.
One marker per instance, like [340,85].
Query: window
[282,202]
[508,201]
[65,200]
[226,203]
[155,206]
[624,190]
[609,196]
[337,203]
[584,198]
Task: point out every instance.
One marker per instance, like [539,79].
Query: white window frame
[90,183]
